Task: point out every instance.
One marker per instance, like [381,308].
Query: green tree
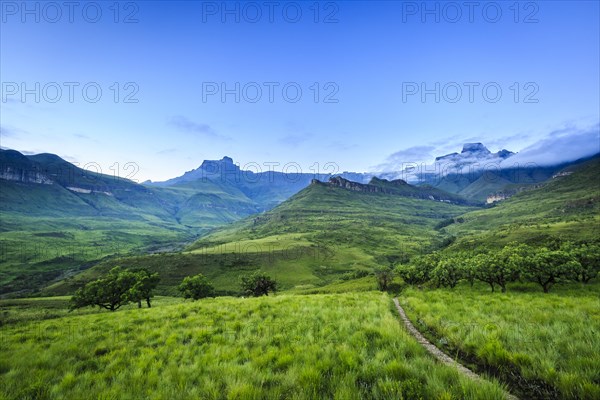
[384,277]
[506,263]
[498,268]
[257,284]
[110,292]
[196,287]
[448,272]
[419,270]
[409,274]
[548,267]
[588,256]
[144,284]
[483,271]
[469,270]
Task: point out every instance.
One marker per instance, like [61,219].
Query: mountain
[396,187]
[475,174]
[479,175]
[325,232]
[265,189]
[473,153]
[56,218]
[566,207]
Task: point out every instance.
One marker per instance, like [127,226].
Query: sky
[149,89]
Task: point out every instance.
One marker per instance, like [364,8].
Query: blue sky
[364,58]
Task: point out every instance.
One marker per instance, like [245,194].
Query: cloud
[397,160]
[559,146]
[504,142]
[185,125]
[10,131]
[562,145]
[166,151]
[293,140]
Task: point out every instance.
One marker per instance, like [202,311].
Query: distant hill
[565,207]
[57,218]
[319,235]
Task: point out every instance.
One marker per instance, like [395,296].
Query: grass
[348,346]
[551,340]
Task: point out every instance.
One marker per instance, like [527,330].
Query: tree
[109,292]
[409,274]
[469,270]
[498,268]
[144,284]
[548,267]
[257,284]
[506,263]
[419,270]
[448,272]
[483,272]
[588,256]
[384,277]
[196,287]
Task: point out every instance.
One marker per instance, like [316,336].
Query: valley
[325,243]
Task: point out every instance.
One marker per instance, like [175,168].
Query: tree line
[545,266]
[120,287]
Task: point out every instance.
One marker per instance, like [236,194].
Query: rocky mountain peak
[475,148]
[224,164]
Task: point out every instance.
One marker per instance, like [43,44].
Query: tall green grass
[347,346]
[552,340]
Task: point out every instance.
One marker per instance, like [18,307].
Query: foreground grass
[551,340]
[348,346]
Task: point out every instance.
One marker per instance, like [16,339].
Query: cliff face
[25,176]
[338,181]
[394,187]
[15,167]
[497,197]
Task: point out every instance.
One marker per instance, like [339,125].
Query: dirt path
[437,353]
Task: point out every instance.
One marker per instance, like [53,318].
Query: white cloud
[560,146]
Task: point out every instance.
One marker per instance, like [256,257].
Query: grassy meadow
[345,346]
[547,344]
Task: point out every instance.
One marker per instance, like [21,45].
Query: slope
[318,236]
[56,218]
[565,207]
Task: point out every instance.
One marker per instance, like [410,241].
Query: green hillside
[57,219]
[565,207]
[318,236]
